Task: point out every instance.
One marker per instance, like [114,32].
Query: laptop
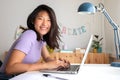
[74,68]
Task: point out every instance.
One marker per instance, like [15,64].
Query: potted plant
[96,45]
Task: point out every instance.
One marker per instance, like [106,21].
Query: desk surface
[87,72]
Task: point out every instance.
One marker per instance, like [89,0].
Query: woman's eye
[40,18]
[48,20]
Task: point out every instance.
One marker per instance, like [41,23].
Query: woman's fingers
[64,63]
[59,64]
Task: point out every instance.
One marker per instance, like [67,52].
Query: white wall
[14,13]
[112,7]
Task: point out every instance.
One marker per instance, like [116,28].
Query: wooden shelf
[92,58]
[113,58]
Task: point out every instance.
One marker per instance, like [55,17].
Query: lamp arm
[114,25]
[116,32]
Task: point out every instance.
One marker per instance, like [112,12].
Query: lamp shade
[86,8]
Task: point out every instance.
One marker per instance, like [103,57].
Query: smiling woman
[42,23]
[26,52]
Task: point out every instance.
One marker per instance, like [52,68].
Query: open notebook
[73,68]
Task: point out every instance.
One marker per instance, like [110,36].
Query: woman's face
[42,23]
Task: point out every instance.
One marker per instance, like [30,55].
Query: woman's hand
[52,63]
[67,65]
[58,64]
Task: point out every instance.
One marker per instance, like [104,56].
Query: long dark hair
[52,36]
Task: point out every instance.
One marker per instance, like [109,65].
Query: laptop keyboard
[72,68]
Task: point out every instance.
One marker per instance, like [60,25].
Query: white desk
[87,72]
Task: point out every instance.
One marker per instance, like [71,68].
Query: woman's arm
[45,54]
[15,65]
[60,62]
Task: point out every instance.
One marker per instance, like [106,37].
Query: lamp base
[115,64]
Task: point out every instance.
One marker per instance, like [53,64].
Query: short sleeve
[25,41]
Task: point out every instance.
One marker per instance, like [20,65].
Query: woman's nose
[44,22]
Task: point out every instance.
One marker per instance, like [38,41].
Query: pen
[48,75]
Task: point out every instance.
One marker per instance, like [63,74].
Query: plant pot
[99,50]
[94,50]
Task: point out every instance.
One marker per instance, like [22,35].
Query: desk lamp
[89,8]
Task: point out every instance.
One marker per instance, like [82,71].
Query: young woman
[25,53]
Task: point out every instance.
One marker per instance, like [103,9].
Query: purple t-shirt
[28,44]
